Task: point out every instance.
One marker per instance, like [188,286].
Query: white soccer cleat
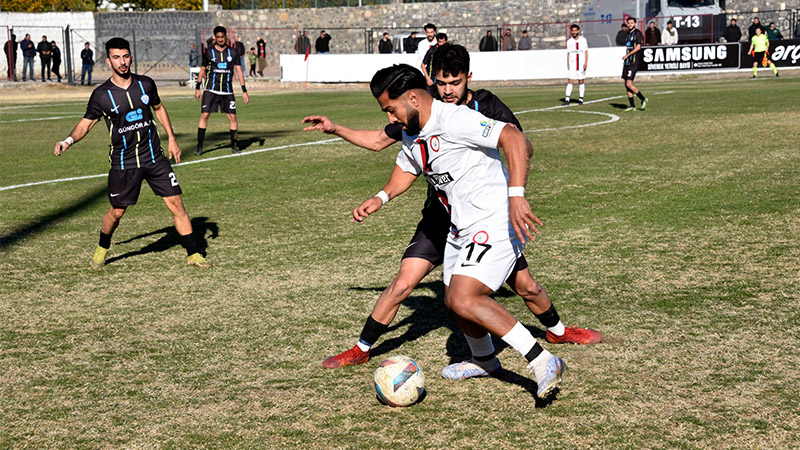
[548,375]
[470,369]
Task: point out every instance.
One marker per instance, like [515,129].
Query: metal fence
[283,4]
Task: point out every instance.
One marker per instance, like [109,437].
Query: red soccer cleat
[351,357]
[575,335]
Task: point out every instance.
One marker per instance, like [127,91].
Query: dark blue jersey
[220,68]
[631,40]
[129,118]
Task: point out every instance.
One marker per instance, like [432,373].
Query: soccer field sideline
[611,118]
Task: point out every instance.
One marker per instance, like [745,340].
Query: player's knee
[116,213]
[402,286]
[529,288]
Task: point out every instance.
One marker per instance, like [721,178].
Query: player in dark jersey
[127,102]
[220,63]
[633,44]
[426,249]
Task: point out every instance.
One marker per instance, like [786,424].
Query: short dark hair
[220,29]
[429,25]
[575,25]
[524,31]
[669,22]
[441,36]
[733,20]
[631,18]
[451,60]
[385,33]
[44,37]
[117,43]
[771,23]
[252,48]
[396,80]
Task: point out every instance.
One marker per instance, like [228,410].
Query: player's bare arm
[635,49]
[163,118]
[83,128]
[585,59]
[240,75]
[200,77]
[515,148]
[398,183]
[375,140]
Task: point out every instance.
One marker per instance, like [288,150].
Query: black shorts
[212,103]
[759,58]
[124,185]
[629,72]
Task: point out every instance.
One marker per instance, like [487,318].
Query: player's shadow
[170,238]
[48,220]
[619,105]
[245,140]
[430,314]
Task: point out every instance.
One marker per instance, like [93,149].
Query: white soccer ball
[399,381]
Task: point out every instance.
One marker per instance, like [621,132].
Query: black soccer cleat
[235,148]
[198,151]
[566,103]
[580,101]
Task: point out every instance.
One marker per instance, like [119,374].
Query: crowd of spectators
[48,52]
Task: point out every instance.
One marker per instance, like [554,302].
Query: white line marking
[612,118]
[42,118]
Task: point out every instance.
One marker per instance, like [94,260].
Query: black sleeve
[638,39]
[152,92]
[237,59]
[205,59]
[491,106]
[394,131]
[94,110]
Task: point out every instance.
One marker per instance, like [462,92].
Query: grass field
[674,231]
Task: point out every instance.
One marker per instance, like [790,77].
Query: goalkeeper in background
[759,49]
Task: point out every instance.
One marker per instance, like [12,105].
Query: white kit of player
[457,153]
[576,57]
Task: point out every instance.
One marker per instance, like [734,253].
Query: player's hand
[60,148]
[366,208]
[429,81]
[522,218]
[246,97]
[321,123]
[197,93]
[174,151]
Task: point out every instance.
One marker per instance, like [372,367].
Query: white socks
[569,91]
[581,89]
[480,346]
[520,339]
[557,329]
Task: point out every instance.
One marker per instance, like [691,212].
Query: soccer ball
[399,381]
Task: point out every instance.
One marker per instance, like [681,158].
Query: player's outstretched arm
[375,140]
[79,132]
[398,183]
[516,148]
[240,74]
[163,118]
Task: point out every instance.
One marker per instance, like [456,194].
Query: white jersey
[457,153]
[424,45]
[576,50]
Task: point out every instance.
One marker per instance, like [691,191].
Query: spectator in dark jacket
[732,32]
[411,43]
[773,33]
[28,53]
[488,43]
[622,36]
[87,63]
[43,48]
[385,44]
[55,53]
[756,24]
[525,41]
[242,52]
[652,36]
[303,43]
[323,43]
[11,56]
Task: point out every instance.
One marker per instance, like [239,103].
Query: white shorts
[573,74]
[487,254]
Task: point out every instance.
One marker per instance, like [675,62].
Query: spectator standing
[732,32]
[241,51]
[773,33]
[28,53]
[488,43]
[411,43]
[652,36]
[509,44]
[525,41]
[87,63]
[11,56]
[756,24]
[261,55]
[55,52]
[430,39]
[622,36]
[427,64]
[670,35]
[252,57]
[43,48]
[385,44]
[323,44]
[303,44]
[192,56]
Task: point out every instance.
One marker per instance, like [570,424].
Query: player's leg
[202,124]
[772,66]
[629,91]
[469,299]
[123,191]
[568,91]
[581,90]
[412,271]
[234,130]
[484,360]
[109,224]
[183,224]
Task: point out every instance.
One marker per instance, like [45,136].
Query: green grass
[672,230]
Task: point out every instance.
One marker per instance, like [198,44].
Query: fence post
[135,55]
[68,53]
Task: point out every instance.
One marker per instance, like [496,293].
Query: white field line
[612,118]
[42,118]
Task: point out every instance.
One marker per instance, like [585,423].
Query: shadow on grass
[619,105]
[37,225]
[200,226]
[245,139]
[429,314]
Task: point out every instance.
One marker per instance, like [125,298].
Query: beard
[125,74]
[412,125]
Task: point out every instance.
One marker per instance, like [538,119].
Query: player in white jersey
[577,61]
[456,150]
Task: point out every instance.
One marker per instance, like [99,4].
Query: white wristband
[516,191]
[383,196]
[69,141]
